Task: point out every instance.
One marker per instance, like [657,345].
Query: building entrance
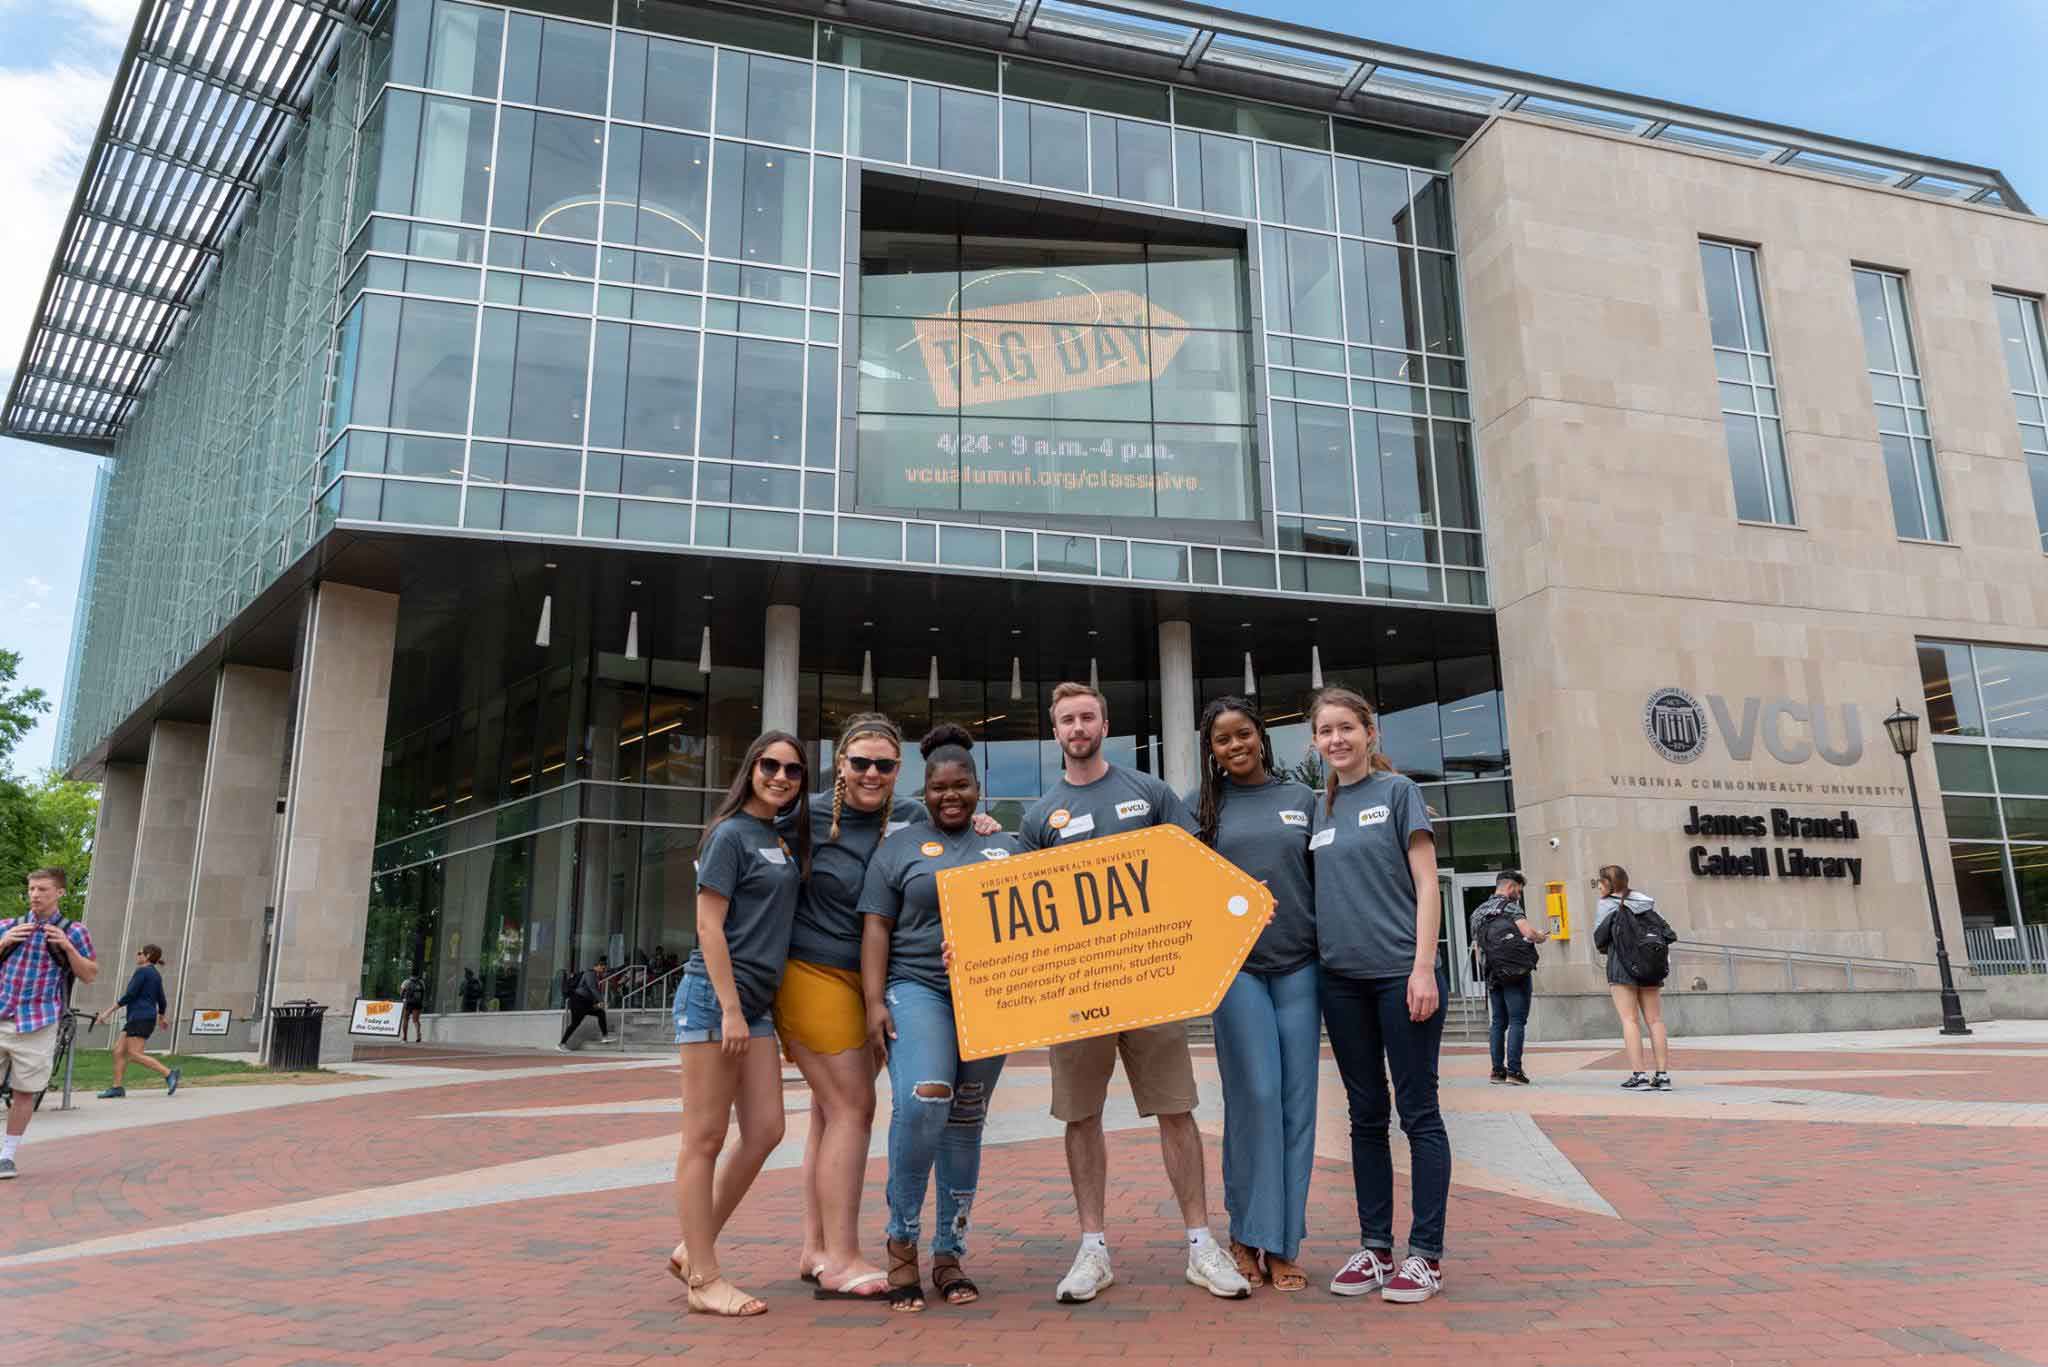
[1462,894]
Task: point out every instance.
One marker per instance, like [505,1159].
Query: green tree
[19,708]
[44,821]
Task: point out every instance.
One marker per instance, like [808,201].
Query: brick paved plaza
[1795,1200]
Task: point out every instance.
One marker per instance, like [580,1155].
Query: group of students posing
[818,921]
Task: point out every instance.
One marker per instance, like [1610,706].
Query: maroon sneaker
[1418,1280]
[1362,1271]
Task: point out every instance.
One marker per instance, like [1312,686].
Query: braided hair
[1355,703]
[858,725]
[1209,810]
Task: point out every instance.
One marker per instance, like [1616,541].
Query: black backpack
[64,972]
[1643,939]
[1501,947]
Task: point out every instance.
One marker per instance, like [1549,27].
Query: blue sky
[1951,78]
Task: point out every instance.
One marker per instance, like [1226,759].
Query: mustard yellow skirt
[820,1008]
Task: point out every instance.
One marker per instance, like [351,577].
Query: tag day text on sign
[1111,934]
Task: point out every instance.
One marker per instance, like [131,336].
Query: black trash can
[295,1036]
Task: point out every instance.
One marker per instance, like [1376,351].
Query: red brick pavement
[1736,1242]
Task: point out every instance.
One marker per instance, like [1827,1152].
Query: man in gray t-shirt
[1094,797]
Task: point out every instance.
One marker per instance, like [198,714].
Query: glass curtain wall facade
[596,287]
[1987,710]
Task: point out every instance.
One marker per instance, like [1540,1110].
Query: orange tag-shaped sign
[1060,345]
[1112,934]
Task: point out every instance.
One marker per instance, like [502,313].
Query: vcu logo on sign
[1676,725]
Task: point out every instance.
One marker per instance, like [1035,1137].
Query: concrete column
[779,668]
[232,873]
[337,762]
[106,891]
[1177,705]
[166,839]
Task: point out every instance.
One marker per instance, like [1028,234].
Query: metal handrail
[626,1000]
[1792,958]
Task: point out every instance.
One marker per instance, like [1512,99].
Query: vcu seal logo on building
[1676,725]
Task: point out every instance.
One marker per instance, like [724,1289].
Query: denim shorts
[698,1017]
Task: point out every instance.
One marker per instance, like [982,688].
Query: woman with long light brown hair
[1377,921]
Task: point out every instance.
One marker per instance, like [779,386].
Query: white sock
[1095,1241]
[1198,1237]
[9,1145]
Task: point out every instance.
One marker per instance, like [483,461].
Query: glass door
[1462,894]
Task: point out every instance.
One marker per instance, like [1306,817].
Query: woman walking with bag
[1268,1026]
[1377,921]
[1637,946]
[147,1006]
[938,1103]
[748,875]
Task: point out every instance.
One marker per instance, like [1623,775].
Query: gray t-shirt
[1264,831]
[1365,895]
[902,888]
[1121,800]
[753,866]
[827,928]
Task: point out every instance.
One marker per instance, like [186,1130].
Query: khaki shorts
[29,1055]
[1156,1063]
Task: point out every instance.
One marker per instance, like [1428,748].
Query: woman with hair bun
[1377,919]
[939,1104]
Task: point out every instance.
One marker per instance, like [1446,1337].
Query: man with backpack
[1506,940]
[41,955]
[585,997]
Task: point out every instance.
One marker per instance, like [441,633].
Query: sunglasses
[860,764]
[773,768]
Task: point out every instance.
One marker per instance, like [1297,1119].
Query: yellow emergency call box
[1558,909]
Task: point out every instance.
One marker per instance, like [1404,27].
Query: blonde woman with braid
[819,1009]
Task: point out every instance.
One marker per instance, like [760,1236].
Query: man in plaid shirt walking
[39,954]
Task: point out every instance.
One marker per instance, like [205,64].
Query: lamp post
[1904,729]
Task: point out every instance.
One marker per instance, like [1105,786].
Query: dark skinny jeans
[1508,1009]
[581,1010]
[1372,1037]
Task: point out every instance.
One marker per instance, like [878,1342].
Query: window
[448,47]
[1301,283]
[764,97]
[2026,367]
[655,189]
[1901,406]
[1132,160]
[1215,173]
[432,157]
[645,391]
[953,130]
[530,377]
[551,62]
[547,174]
[1045,146]
[760,199]
[753,400]
[411,362]
[1749,393]
[659,81]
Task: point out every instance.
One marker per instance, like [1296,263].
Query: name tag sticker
[895,826]
[1137,806]
[1322,838]
[1079,825]
[997,852]
[1294,818]
[1373,816]
[772,854]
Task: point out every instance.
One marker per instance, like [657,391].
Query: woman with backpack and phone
[1637,942]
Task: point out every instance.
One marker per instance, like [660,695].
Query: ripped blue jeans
[937,1109]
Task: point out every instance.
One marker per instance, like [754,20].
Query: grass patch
[93,1070]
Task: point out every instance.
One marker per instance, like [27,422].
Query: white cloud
[37,586]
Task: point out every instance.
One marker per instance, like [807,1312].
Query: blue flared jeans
[1268,1048]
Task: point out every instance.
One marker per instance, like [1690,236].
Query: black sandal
[952,1283]
[906,1297]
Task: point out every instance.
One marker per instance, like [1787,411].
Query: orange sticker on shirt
[931,848]
[1058,820]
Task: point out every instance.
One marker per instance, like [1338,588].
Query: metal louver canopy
[205,95]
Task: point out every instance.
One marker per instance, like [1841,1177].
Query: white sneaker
[1416,1281]
[1211,1268]
[1087,1278]
[608,1039]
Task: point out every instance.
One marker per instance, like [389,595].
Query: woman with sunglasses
[819,1011]
[1268,1026]
[938,1104]
[748,875]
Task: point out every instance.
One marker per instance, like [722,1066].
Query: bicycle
[67,1035]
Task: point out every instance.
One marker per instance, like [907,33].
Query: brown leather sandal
[1284,1275]
[1247,1260]
[712,1294]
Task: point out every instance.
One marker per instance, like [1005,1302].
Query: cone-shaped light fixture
[932,688]
[1251,681]
[1016,679]
[1315,666]
[633,635]
[704,653]
[547,617]
[867,673]
[1094,678]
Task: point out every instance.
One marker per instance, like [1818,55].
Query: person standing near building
[1269,1024]
[1377,922]
[1638,950]
[748,875]
[585,998]
[147,1006]
[819,1009]
[938,1104]
[1505,940]
[412,996]
[1095,797]
[41,955]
